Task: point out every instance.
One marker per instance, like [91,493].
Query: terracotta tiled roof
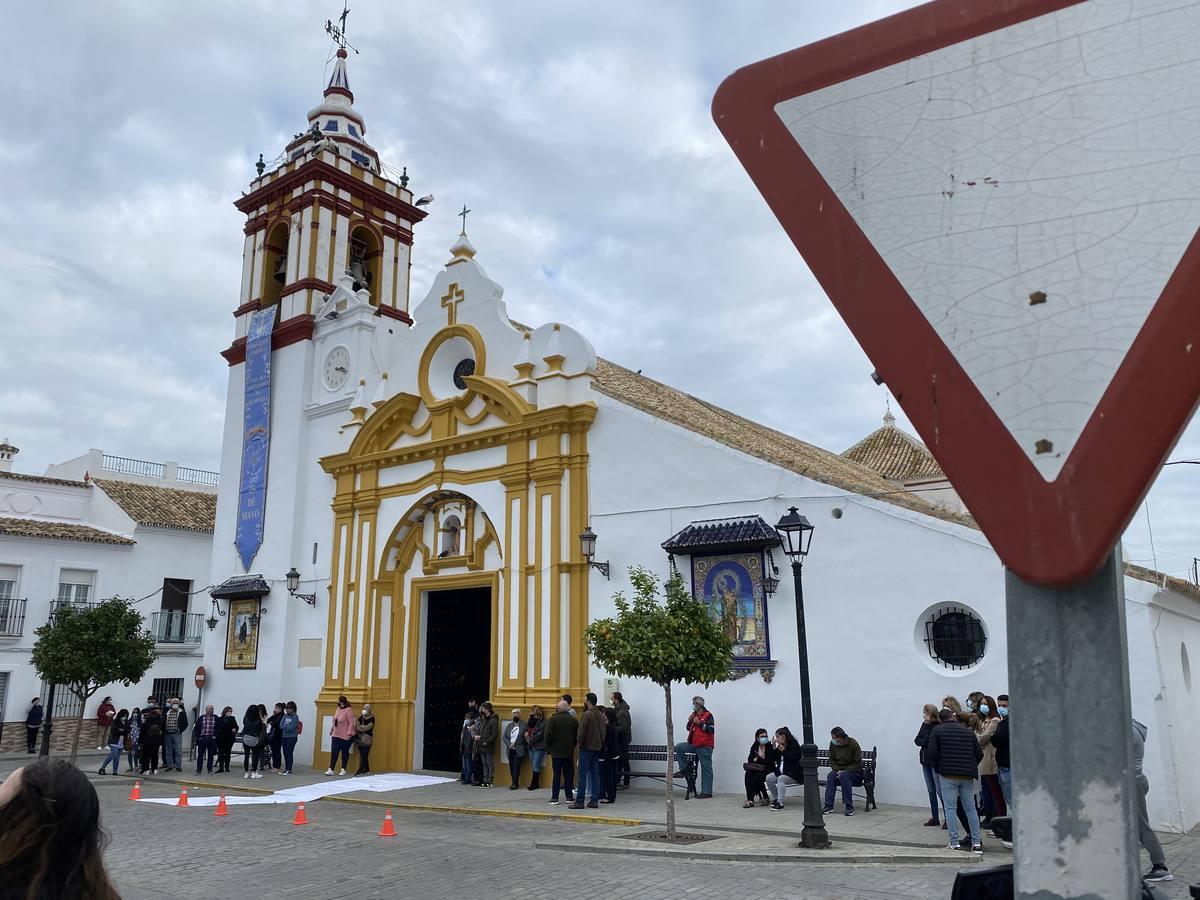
[163,507]
[39,528]
[894,454]
[41,479]
[748,437]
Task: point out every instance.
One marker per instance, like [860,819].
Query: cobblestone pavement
[159,851]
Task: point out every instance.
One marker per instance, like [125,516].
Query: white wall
[128,571]
[870,577]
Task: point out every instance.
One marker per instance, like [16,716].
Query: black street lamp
[587,546]
[797,533]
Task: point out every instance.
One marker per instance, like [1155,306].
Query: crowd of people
[150,738]
[600,737]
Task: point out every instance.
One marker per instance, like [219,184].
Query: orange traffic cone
[182,798]
[301,818]
[388,830]
[136,793]
[222,809]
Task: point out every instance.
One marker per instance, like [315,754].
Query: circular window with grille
[952,637]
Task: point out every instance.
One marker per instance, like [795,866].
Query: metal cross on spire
[463,216]
[338,32]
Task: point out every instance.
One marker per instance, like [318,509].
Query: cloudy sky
[580,135]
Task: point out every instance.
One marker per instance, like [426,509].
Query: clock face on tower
[337,368]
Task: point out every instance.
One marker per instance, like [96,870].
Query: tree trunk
[78,731]
[670,766]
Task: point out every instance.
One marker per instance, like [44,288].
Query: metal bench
[869,758]
[660,753]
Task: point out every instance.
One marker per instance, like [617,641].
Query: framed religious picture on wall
[730,586]
[241,639]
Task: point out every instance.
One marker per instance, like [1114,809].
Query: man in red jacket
[701,740]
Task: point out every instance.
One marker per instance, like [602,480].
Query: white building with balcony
[101,526]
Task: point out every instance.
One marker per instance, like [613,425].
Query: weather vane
[338,32]
[463,216]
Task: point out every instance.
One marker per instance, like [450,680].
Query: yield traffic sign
[1001,198]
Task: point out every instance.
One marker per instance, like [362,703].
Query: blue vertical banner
[256,438]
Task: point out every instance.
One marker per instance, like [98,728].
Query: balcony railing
[198,476]
[129,466]
[12,617]
[58,605]
[173,627]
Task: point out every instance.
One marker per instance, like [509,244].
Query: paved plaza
[460,842]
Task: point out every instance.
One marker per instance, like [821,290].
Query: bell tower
[324,208]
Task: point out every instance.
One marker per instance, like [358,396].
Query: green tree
[83,649]
[664,641]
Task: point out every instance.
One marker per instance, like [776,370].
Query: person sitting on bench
[846,765]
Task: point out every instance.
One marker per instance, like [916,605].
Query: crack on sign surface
[1087,125]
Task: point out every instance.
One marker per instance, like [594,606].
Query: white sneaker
[247,775]
[329,771]
[256,774]
[343,772]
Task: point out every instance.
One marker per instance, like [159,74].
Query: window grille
[955,637]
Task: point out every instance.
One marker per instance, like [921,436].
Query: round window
[954,636]
[462,370]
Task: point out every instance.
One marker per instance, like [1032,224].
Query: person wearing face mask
[1000,742]
[535,742]
[365,724]
[702,739]
[227,729]
[341,731]
[788,773]
[50,837]
[929,721]
[105,713]
[846,769]
[990,793]
[175,724]
[761,761]
[116,742]
[512,739]
[487,729]
[290,727]
[466,744]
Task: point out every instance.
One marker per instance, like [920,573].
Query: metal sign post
[1000,198]
[1068,675]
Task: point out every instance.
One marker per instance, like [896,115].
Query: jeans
[952,792]
[132,756]
[589,774]
[289,750]
[564,774]
[488,759]
[777,785]
[1005,776]
[703,759]
[251,757]
[935,792]
[114,757]
[173,742]
[466,768]
[623,762]
[537,760]
[205,747]
[847,780]
[514,766]
[341,747]
[1146,835]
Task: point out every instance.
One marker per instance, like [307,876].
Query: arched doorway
[437,561]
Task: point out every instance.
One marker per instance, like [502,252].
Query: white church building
[426,472]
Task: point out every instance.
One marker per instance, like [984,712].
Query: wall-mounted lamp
[216,610]
[771,581]
[587,542]
[293,586]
